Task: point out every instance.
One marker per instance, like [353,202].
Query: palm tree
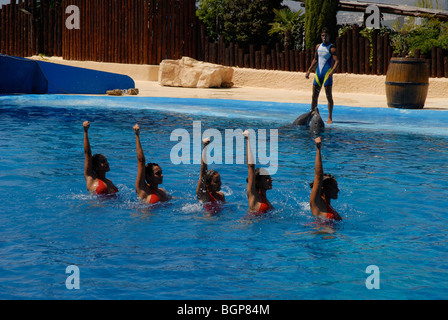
[284,23]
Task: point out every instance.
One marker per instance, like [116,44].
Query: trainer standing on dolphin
[327,63]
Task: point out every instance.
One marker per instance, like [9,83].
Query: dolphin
[303,120]
[316,123]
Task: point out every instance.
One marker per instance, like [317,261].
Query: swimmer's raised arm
[318,178]
[201,189]
[88,167]
[251,189]
[140,184]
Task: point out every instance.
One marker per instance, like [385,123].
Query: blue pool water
[391,167]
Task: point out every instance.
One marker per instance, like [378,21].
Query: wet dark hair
[327,180]
[209,174]
[149,170]
[96,161]
[325,30]
[258,175]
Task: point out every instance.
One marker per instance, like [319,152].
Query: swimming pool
[391,167]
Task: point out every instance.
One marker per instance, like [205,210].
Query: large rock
[190,73]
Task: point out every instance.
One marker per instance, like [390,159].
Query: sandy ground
[263,85]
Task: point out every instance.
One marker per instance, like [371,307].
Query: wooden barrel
[407,83]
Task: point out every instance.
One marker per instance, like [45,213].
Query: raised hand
[136,129]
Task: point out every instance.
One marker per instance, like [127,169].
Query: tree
[285,23]
[319,14]
[211,13]
[240,21]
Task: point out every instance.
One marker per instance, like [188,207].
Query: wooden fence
[28,28]
[122,31]
[149,31]
[131,31]
[356,54]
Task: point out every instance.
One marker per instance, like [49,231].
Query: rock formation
[190,73]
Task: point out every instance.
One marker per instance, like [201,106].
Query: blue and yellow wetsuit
[324,62]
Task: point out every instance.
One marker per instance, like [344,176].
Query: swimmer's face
[325,37]
[157,176]
[215,183]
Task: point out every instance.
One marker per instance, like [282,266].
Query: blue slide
[21,76]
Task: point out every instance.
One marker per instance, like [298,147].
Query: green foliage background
[239,21]
[319,14]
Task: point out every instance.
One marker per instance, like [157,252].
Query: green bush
[430,33]
[240,21]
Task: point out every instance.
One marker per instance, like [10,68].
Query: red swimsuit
[214,205]
[264,206]
[331,213]
[102,188]
[154,196]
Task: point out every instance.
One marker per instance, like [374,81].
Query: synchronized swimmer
[95,168]
[208,191]
[149,176]
[324,188]
[258,182]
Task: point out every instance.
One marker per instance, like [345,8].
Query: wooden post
[286,59]
[282,61]
[292,64]
[362,60]
[278,54]
[236,49]
[212,53]
[367,48]
[374,46]
[445,66]
[297,60]
[257,59]
[273,59]
[251,56]
[264,50]
[246,60]
[308,58]
[221,48]
[241,57]
[302,57]
[343,56]
[433,62]
[268,62]
[349,52]
[440,67]
[386,53]
[380,55]
[355,42]
[227,57]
